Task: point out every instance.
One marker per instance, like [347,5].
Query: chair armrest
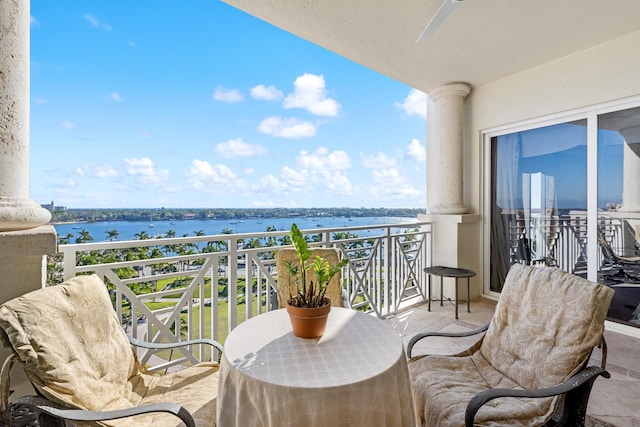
[418,337]
[45,406]
[159,346]
[587,375]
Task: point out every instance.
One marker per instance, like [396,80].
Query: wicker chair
[530,367]
[77,356]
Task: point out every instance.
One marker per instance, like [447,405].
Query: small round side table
[456,273]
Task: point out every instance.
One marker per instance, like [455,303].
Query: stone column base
[21,214]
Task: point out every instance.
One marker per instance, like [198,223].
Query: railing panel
[201,287]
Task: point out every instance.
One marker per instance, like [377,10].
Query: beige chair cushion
[443,386]
[75,352]
[544,327]
[334,290]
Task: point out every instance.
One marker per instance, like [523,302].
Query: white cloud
[414,104]
[417,151]
[116,97]
[290,181]
[293,178]
[321,172]
[131,43]
[213,178]
[323,160]
[265,204]
[271,184]
[92,20]
[33,21]
[390,183]
[290,128]
[97,170]
[144,169]
[249,171]
[310,93]
[146,135]
[378,161]
[104,171]
[227,95]
[336,182]
[239,148]
[96,23]
[67,125]
[266,93]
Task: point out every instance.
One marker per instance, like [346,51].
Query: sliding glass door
[552,187]
[539,199]
[619,211]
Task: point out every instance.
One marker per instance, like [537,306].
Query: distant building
[52,207]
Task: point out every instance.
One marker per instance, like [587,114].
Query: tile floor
[613,402]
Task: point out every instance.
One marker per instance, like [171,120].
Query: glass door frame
[589,114]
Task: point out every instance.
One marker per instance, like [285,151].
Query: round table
[355,375]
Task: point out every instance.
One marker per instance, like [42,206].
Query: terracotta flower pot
[309,322]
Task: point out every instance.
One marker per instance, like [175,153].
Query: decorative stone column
[24,239]
[445,118]
[455,233]
[630,209]
[17,210]
[631,175]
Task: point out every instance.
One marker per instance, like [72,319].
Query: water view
[131,230]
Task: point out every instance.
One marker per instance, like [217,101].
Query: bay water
[131,230]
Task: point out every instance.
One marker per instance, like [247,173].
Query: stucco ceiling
[482,41]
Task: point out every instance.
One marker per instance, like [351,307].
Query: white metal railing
[562,240]
[169,289]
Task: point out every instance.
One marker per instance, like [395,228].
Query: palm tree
[253,243]
[198,233]
[64,240]
[285,240]
[170,234]
[143,235]
[271,241]
[112,235]
[84,237]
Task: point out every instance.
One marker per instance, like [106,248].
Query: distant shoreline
[73,216]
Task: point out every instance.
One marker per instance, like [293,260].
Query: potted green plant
[309,307]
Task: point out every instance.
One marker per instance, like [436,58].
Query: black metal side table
[456,273]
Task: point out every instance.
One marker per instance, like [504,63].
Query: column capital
[450,89]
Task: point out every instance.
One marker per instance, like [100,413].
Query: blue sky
[196,104]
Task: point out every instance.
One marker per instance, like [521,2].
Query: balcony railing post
[388,270]
[68,262]
[232,283]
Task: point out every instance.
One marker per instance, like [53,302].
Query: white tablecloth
[355,375]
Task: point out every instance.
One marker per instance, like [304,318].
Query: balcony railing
[562,240]
[171,289]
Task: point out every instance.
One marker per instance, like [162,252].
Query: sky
[195,104]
